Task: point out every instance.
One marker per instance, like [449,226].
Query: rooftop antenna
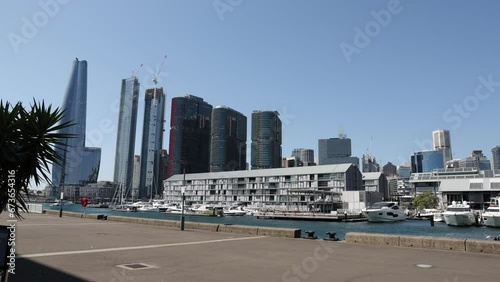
[341,132]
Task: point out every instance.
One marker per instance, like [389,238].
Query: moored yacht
[64,203]
[459,214]
[234,211]
[385,212]
[491,217]
[207,210]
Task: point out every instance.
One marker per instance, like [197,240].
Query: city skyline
[416,76]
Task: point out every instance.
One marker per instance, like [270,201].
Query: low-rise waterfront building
[295,188]
[461,184]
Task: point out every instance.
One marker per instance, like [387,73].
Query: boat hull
[384,216]
[459,219]
[491,220]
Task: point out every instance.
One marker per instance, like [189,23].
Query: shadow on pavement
[28,270]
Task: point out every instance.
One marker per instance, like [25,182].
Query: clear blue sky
[273,55]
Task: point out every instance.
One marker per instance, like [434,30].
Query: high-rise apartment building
[336,151]
[136,179]
[189,145]
[152,139]
[266,140]
[306,156]
[370,164]
[125,139]
[80,164]
[228,145]
[442,142]
[495,151]
[476,160]
[389,169]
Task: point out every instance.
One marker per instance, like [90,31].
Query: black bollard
[431,218]
[310,235]
[331,236]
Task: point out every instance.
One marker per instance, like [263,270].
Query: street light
[61,204]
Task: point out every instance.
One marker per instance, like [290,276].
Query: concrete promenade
[49,248]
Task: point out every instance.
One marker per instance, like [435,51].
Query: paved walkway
[50,248]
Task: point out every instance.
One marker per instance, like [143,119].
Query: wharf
[50,248]
[311,217]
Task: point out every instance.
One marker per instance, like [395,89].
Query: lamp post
[183,191]
[61,204]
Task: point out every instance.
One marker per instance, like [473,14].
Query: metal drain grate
[136,266]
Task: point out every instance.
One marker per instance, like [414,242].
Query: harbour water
[408,227]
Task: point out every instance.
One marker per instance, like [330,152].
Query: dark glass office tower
[336,151]
[266,140]
[495,152]
[80,163]
[152,139]
[228,147]
[125,139]
[189,145]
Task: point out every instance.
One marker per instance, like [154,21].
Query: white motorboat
[385,212]
[491,217]
[124,208]
[145,206]
[234,211]
[207,210]
[438,216]
[459,214]
[64,203]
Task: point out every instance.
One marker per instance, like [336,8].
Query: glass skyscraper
[228,147]
[80,163]
[189,145]
[427,161]
[266,140]
[152,140]
[125,139]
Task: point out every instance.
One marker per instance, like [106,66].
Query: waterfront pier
[49,248]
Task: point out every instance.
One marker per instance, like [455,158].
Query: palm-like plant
[27,141]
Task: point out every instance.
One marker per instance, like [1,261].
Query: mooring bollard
[331,236]
[431,218]
[310,235]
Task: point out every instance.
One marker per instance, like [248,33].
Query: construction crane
[155,75]
[368,154]
[136,71]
